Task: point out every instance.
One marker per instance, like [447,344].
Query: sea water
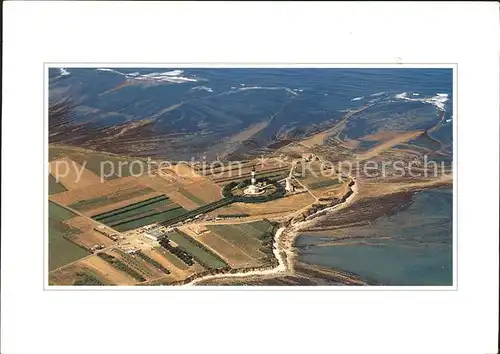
[414,247]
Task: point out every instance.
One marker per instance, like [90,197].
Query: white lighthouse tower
[253,180]
[252,188]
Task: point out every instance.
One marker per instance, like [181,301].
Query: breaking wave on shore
[439,100]
[172,76]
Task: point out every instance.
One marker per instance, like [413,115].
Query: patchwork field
[314,175]
[180,199]
[98,203]
[189,193]
[78,274]
[108,271]
[247,238]
[175,266]
[102,196]
[54,186]
[148,211]
[61,250]
[116,267]
[200,253]
[322,183]
[141,265]
[71,174]
[235,256]
[127,203]
[87,236]
[103,165]
[203,192]
[178,269]
[275,207]
[175,277]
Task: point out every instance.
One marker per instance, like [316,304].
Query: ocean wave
[357,98]
[173,76]
[377,94]
[111,70]
[203,88]
[64,72]
[268,88]
[439,101]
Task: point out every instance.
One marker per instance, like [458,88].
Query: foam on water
[111,70]
[377,94]
[268,88]
[357,98]
[202,88]
[64,72]
[173,76]
[438,101]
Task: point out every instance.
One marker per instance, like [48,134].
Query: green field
[243,235]
[59,213]
[97,202]
[121,266]
[162,216]
[160,205]
[255,229]
[54,186]
[135,262]
[261,225]
[192,197]
[88,277]
[170,209]
[197,250]
[149,211]
[61,250]
[152,262]
[95,275]
[172,258]
[322,184]
[131,207]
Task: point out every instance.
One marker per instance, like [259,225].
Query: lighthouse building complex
[253,189]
